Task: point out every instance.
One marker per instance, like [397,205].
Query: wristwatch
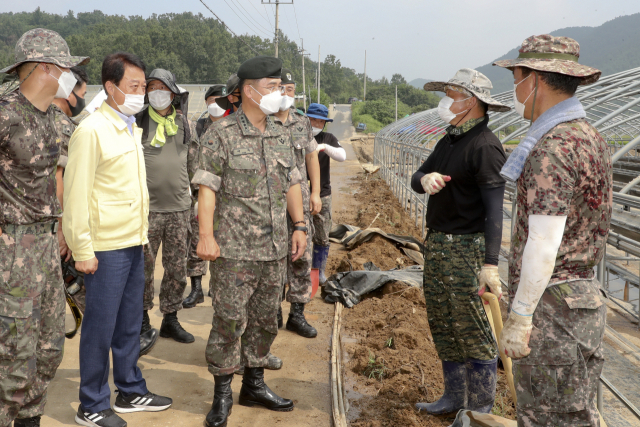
[301,228]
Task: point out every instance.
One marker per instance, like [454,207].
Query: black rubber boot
[280,319]
[171,328]
[453,399]
[196,296]
[148,335]
[482,378]
[255,392]
[297,322]
[222,402]
[27,422]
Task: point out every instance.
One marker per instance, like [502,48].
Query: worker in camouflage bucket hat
[563,175]
[32,301]
[464,218]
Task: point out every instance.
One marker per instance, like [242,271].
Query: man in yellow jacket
[105,192]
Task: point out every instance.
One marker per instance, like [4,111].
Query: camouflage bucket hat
[554,55]
[472,81]
[41,45]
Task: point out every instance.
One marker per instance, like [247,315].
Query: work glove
[489,276]
[514,339]
[434,182]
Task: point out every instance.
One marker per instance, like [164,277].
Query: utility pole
[365,76]
[396,103]
[318,74]
[304,85]
[277,3]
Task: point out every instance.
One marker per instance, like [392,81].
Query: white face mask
[444,109]
[519,106]
[215,110]
[269,104]
[66,83]
[160,99]
[287,102]
[132,103]
[315,130]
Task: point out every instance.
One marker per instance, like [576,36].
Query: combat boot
[171,328]
[148,335]
[453,399]
[196,296]
[319,261]
[27,422]
[255,392]
[482,378]
[297,322]
[222,402]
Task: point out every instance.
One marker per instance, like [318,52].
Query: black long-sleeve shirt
[472,201]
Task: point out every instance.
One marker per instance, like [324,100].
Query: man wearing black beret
[231,102]
[248,181]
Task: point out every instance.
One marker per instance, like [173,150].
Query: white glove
[321,147]
[434,182]
[195,210]
[514,339]
[489,276]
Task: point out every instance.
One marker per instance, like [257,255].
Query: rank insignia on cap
[289,76]
[223,91]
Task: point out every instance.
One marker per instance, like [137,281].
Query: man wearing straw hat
[464,218]
[562,169]
[32,301]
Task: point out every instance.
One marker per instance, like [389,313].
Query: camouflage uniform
[457,320]
[65,126]
[299,272]
[172,230]
[31,289]
[568,173]
[250,172]
[322,223]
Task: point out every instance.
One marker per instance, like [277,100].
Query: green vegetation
[375,369]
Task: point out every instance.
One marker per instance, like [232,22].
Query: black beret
[216,90]
[260,67]
[287,76]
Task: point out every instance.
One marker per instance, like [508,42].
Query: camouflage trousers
[299,272]
[457,319]
[195,265]
[245,297]
[322,223]
[557,382]
[171,230]
[32,313]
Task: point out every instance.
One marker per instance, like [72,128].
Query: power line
[229,29]
[265,9]
[251,18]
[252,28]
[296,15]
[261,14]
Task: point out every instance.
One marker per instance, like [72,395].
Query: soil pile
[363,147]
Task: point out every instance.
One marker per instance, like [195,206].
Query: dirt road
[180,370]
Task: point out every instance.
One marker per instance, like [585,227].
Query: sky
[416,38]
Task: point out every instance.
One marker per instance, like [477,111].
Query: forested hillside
[198,49]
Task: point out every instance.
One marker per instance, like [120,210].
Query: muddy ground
[390,362]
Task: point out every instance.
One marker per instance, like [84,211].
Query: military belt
[50,227]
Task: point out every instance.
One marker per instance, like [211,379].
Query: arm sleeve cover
[492,198]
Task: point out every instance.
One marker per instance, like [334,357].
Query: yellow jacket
[105,187]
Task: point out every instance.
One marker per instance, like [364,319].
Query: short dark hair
[80,75]
[558,82]
[114,64]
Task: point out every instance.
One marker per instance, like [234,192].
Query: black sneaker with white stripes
[136,403]
[106,418]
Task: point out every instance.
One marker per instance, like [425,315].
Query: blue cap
[318,111]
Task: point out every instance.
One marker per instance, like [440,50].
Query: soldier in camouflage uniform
[64,110]
[248,181]
[557,319]
[196,267]
[170,151]
[32,303]
[304,147]
[464,217]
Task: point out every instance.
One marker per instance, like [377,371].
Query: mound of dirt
[363,147]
